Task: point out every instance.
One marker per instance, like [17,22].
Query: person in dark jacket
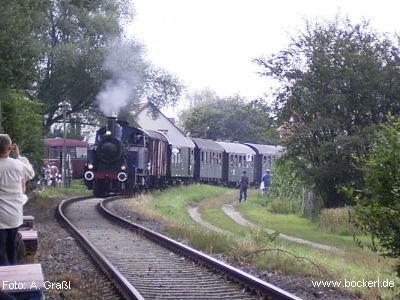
[244,185]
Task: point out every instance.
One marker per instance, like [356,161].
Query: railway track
[146,265]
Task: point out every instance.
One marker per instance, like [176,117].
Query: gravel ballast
[63,259]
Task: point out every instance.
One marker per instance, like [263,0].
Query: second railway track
[144,264]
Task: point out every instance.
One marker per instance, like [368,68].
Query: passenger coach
[236,159]
[180,158]
[264,159]
[208,160]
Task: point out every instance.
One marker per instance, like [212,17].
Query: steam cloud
[124,62]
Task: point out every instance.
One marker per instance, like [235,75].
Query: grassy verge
[293,225]
[172,203]
[242,247]
[77,189]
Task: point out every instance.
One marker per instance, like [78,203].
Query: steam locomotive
[125,159]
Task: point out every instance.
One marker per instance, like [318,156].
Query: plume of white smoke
[126,67]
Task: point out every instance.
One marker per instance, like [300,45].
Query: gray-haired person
[13,175]
[244,185]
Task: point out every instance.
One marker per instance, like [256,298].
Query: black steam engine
[122,160]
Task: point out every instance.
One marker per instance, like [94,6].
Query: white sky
[210,43]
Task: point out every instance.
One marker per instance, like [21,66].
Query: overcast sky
[211,43]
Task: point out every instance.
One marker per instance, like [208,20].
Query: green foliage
[229,118]
[84,49]
[378,202]
[339,80]
[20,21]
[286,191]
[23,121]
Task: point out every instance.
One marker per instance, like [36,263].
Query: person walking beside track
[14,173]
[244,185]
[266,181]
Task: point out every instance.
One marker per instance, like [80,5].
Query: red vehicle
[76,149]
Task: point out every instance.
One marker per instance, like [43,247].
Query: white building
[148,116]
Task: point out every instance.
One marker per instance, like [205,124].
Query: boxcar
[236,159]
[264,159]
[77,150]
[207,160]
[157,148]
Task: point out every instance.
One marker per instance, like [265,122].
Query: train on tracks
[125,159]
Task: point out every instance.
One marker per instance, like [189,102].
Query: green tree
[23,121]
[230,118]
[20,23]
[378,201]
[338,80]
[80,42]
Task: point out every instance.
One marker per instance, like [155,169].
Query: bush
[338,220]
[377,207]
[286,192]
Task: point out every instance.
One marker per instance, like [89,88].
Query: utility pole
[64,150]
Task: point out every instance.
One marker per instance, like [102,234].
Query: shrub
[377,207]
[286,192]
[339,220]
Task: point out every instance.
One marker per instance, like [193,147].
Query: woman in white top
[13,175]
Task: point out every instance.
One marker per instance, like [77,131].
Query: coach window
[220,158]
[269,161]
[202,156]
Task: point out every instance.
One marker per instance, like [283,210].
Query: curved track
[145,264]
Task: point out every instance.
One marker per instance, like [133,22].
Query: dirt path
[230,211]
[195,215]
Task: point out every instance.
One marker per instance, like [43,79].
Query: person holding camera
[15,171]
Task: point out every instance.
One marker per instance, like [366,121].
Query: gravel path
[196,216]
[300,286]
[63,259]
[230,211]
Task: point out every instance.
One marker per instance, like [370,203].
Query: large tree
[338,80]
[20,25]
[230,118]
[81,39]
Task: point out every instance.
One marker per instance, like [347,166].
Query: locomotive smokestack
[111,125]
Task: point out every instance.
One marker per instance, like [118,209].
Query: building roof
[179,141]
[59,142]
[155,135]
[138,107]
[265,149]
[207,144]
[236,148]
